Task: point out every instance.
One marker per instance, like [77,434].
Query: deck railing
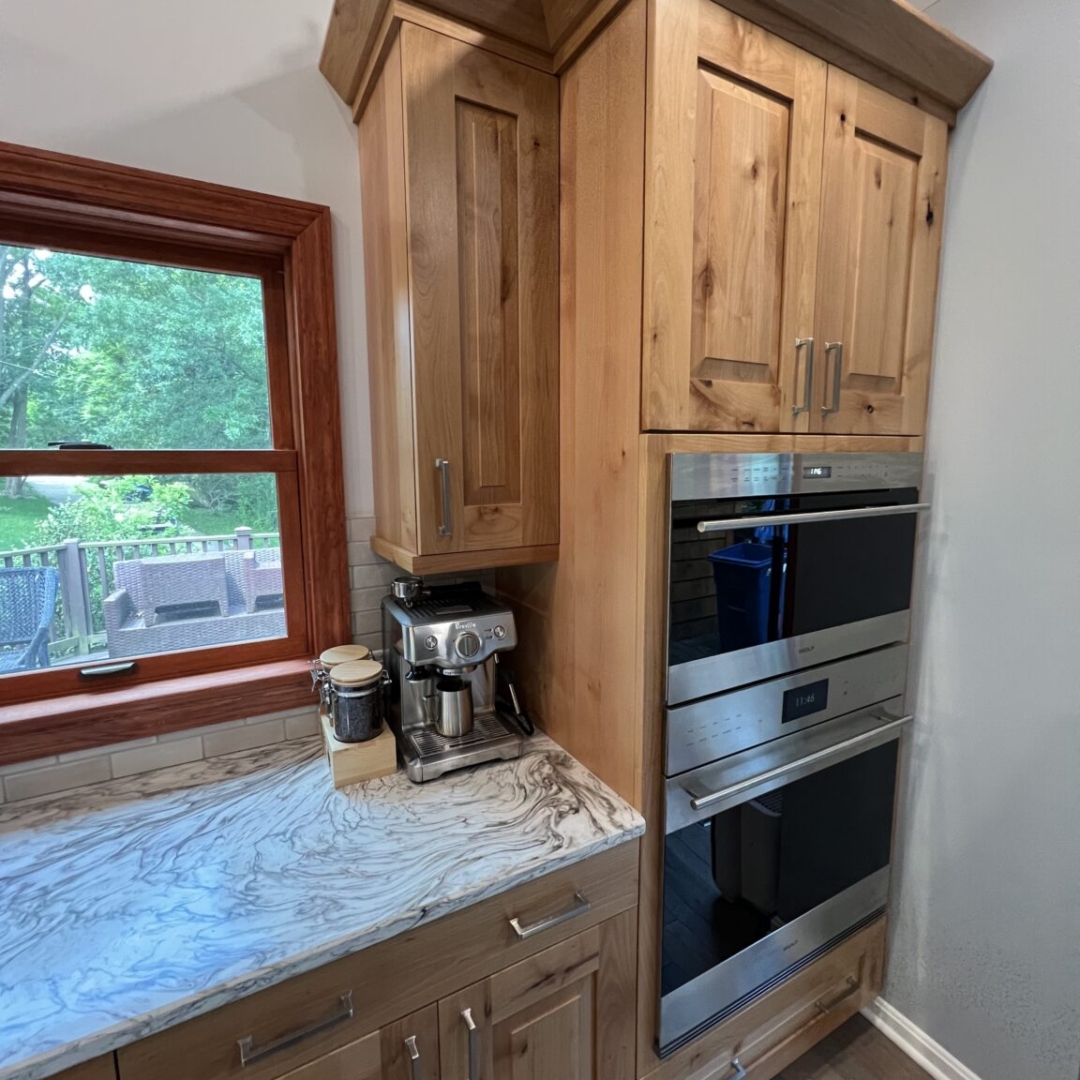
[86,575]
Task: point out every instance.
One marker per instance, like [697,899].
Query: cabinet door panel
[481,136]
[878,271]
[733,204]
[566,1012]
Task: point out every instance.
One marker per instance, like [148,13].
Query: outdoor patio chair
[27,607]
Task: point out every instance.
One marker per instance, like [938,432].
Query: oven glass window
[741,588]
[733,879]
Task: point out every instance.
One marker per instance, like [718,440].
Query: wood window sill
[37,729]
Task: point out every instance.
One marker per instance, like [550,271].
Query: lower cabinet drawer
[768,1035]
[278,1030]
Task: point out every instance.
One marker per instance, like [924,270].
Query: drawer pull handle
[414,1056]
[249,1054]
[580,907]
[853,987]
[474,1045]
[737,1071]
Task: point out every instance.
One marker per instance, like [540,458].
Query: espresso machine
[453,703]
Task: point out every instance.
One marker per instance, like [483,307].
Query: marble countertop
[133,905]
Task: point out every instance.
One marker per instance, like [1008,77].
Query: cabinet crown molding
[939,71]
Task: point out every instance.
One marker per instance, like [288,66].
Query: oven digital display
[804,700]
[817,472]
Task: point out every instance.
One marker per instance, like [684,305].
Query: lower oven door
[771,857]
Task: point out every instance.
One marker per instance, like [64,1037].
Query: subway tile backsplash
[370,577]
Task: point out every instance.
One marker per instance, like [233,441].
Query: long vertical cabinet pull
[474,1045]
[806,343]
[446,526]
[414,1056]
[838,374]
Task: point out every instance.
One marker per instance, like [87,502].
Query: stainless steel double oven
[788,620]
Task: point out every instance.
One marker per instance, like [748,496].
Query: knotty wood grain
[386,294]
[579,618]
[882,216]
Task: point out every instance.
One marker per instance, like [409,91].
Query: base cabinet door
[884,185]
[567,1012]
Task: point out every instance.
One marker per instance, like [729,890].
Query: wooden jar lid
[356,673]
[343,654]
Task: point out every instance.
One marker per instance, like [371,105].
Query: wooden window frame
[105,209]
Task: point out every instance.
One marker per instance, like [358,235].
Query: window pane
[93,568]
[134,355]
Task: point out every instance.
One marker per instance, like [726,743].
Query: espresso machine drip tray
[428,754]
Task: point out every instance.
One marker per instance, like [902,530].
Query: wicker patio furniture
[261,575]
[162,585]
[27,606]
[155,606]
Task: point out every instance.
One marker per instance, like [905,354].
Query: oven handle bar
[840,750]
[811,518]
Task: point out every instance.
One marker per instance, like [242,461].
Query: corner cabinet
[459,172]
[793,229]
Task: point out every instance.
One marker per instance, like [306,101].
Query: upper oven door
[797,564]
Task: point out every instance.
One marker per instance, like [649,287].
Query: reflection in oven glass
[738,876]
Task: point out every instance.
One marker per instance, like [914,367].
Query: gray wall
[985,945]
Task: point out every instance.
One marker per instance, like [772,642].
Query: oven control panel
[733,476]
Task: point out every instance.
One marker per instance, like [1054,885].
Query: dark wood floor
[855,1051]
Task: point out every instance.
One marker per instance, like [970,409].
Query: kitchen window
[172,539]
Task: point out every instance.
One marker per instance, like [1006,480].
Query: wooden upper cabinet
[792,237]
[878,271]
[733,194]
[459,159]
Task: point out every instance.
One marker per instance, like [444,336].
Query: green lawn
[18,518]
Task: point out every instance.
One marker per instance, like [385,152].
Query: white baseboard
[918,1046]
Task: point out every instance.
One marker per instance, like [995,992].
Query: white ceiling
[922,5]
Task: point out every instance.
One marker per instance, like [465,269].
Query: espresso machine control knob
[467,645]
[500,631]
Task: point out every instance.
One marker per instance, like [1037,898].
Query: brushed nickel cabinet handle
[446,526]
[414,1056]
[853,987]
[249,1053]
[808,384]
[737,1071]
[474,1045]
[838,373]
[580,907]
